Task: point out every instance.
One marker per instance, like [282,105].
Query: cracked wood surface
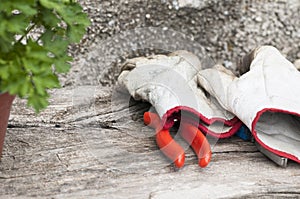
[93,144]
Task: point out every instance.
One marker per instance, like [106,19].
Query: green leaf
[28,69]
[3,62]
[75,33]
[6,46]
[51,5]
[76,20]
[52,81]
[25,87]
[26,7]
[49,18]
[55,44]
[39,85]
[37,52]
[61,65]
[16,25]
[37,101]
[16,86]
[4,72]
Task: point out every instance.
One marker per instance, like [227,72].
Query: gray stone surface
[221,30]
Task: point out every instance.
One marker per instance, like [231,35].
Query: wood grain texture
[91,142]
[99,148]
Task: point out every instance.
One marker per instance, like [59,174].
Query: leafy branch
[34,38]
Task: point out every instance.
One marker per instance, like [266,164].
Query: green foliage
[34,37]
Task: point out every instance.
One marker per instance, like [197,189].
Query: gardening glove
[266,99]
[172,149]
[169,83]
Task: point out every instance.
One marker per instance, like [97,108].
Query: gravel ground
[222,31]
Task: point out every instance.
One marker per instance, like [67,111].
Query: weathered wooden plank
[105,151]
[66,105]
[91,142]
[60,163]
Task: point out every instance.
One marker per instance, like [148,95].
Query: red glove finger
[152,120]
[170,148]
[164,140]
[198,142]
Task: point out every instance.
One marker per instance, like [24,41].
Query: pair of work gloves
[215,102]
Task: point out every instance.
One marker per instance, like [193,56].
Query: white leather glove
[169,83]
[266,99]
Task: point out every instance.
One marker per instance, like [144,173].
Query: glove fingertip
[179,162]
[204,161]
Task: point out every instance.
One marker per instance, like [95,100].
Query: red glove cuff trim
[194,117]
[254,133]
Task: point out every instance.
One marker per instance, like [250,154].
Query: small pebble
[258,19]
[227,64]
[193,25]
[297,64]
